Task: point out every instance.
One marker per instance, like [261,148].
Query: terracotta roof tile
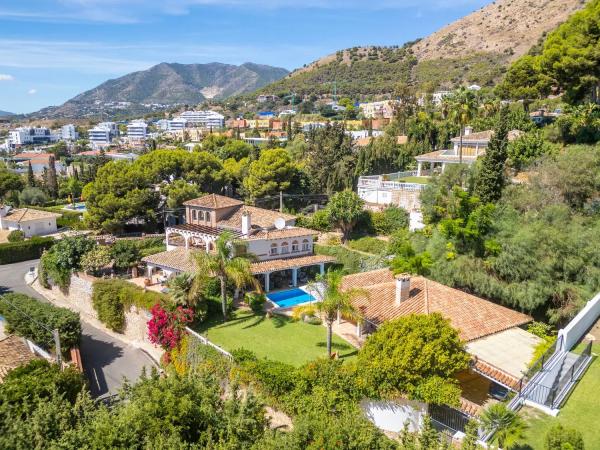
[260,217]
[14,352]
[472,316]
[214,201]
[27,214]
[203,229]
[178,259]
[496,374]
[289,263]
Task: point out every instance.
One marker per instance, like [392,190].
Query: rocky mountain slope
[474,49]
[167,84]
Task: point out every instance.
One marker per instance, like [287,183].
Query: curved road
[106,360]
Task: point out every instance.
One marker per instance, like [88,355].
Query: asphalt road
[106,360]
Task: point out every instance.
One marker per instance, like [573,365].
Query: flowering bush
[165,328]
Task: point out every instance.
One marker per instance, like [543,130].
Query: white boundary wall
[392,415]
[581,323]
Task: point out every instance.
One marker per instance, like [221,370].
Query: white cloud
[32,91]
[6,77]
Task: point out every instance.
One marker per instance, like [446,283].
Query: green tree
[271,173]
[417,355]
[9,181]
[469,442]
[33,196]
[345,209]
[333,300]
[30,175]
[52,179]
[180,191]
[506,424]
[225,265]
[462,106]
[96,259]
[125,254]
[562,438]
[525,81]
[491,178]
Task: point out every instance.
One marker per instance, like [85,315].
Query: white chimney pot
[402,288]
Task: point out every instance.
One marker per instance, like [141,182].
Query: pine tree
[429,439]
[491,178]
[75,173]
[469,442]
[30,176]
[52,180]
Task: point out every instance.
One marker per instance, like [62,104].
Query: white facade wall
[376,196]
[391,416]
[68,133]
[136,131]
[262,248]
[30,136]
[581,323]
[205,119]
[31,228]
[177,124]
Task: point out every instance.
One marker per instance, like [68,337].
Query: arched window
[194,217]
[285,248]
[295,246]
[207,217]
[305,245]
[200,215]
[274,249]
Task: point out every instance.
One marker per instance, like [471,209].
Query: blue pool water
[291,297]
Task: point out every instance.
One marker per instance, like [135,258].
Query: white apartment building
[162,124]
[102,134]
[136,131]
[204,119]
[68,133]
[177,124]
[30,136]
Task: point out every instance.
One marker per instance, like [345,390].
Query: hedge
[351,261]
[33,248]
[111,298]
[369,244]
[26,315]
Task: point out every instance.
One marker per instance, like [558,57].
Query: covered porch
[289,272]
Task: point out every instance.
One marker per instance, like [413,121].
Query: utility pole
[57,348]
[281,201]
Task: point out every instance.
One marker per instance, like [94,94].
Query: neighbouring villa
[284,252]
[501,350]
[473,146]
[32,222]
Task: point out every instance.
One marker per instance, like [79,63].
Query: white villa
[473,146]
[284,252]
[32,222]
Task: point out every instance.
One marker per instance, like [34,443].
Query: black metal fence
[448,417]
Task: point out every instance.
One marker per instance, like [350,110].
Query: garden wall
[581,323]
[79,299]
[391,416]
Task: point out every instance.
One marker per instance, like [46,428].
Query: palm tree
[224,265]
[462,107]
[331,301]
[180,287]
[506,424]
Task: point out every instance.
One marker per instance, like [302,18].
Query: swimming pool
[77,207]
[291,297]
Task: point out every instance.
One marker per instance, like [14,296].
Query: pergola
[266,268]
[191,233]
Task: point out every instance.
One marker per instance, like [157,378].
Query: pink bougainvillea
[165,328]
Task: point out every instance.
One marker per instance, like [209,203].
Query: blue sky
[51,50]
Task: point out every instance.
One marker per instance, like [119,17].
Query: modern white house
[474,145]
[30,136]
[69,133]
[137,131]
[389,189]
[32,222]
[102,134]
[204,119]
[283,251]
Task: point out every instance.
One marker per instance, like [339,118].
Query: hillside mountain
[474,49]
[5,114]
[167,84]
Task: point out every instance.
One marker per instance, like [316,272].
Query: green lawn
[419,180]
[278,338]
[581,411]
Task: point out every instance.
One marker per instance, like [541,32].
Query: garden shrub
[389,220]
[66,321]
[351,261]
[64,258]
[368,244]
[276,378]
[256,301]
[33,248]
[166,328]
[16,236]
[111,298]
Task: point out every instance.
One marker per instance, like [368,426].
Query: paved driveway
[106,360]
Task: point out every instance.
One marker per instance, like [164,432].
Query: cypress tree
[30,176]
[491,178]
[52,179]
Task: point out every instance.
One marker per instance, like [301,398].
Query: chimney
[402,288]
[246,223]
[468,130]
